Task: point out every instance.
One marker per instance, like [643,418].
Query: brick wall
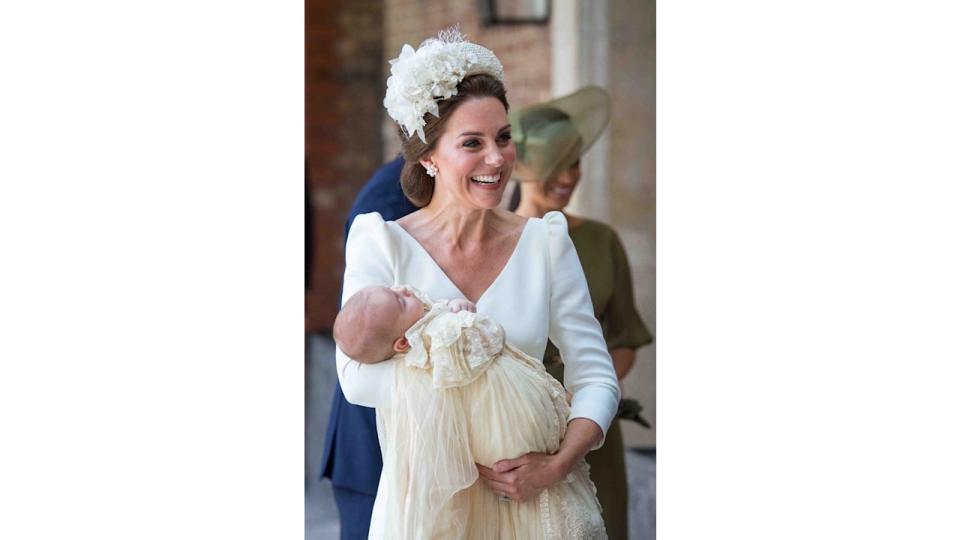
[344,92]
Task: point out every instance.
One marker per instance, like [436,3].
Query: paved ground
[322,522]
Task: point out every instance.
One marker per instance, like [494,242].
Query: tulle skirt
[434,437]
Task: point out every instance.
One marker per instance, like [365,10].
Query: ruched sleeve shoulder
[588,370]
[370,260]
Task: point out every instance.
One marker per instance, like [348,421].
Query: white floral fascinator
[418,78]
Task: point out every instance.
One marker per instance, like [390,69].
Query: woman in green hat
[550,139]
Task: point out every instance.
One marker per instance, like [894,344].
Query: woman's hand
[528,475]
[458,304]
[522,478]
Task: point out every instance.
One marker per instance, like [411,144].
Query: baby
[372,324]
[462,396]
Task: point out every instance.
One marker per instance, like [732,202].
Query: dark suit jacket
[351,451]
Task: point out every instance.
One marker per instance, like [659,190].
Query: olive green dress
[605,264]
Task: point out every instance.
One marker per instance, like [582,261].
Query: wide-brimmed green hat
[551,136]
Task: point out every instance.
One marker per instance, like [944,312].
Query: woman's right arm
[369,261]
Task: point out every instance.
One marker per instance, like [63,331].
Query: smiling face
[555,193]
[474,156]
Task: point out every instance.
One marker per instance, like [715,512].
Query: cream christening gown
[540,293]
[463,396]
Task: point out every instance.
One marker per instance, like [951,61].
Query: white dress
[541,293]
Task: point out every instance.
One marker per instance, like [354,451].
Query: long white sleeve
[588,367]
[369,261]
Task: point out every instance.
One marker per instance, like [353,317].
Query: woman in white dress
[449,100]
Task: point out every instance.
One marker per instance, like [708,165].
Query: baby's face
[399,305]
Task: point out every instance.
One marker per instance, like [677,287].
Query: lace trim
[549,532]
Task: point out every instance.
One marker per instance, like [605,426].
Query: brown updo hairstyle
[417,186]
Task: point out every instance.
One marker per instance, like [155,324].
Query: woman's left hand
[529,474]
[521,478]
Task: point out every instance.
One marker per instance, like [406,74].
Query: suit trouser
[355,509]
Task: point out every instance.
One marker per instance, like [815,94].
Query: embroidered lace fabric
[464,396]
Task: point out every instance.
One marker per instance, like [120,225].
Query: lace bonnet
[419,78]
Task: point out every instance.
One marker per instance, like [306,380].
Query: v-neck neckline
[423,250]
